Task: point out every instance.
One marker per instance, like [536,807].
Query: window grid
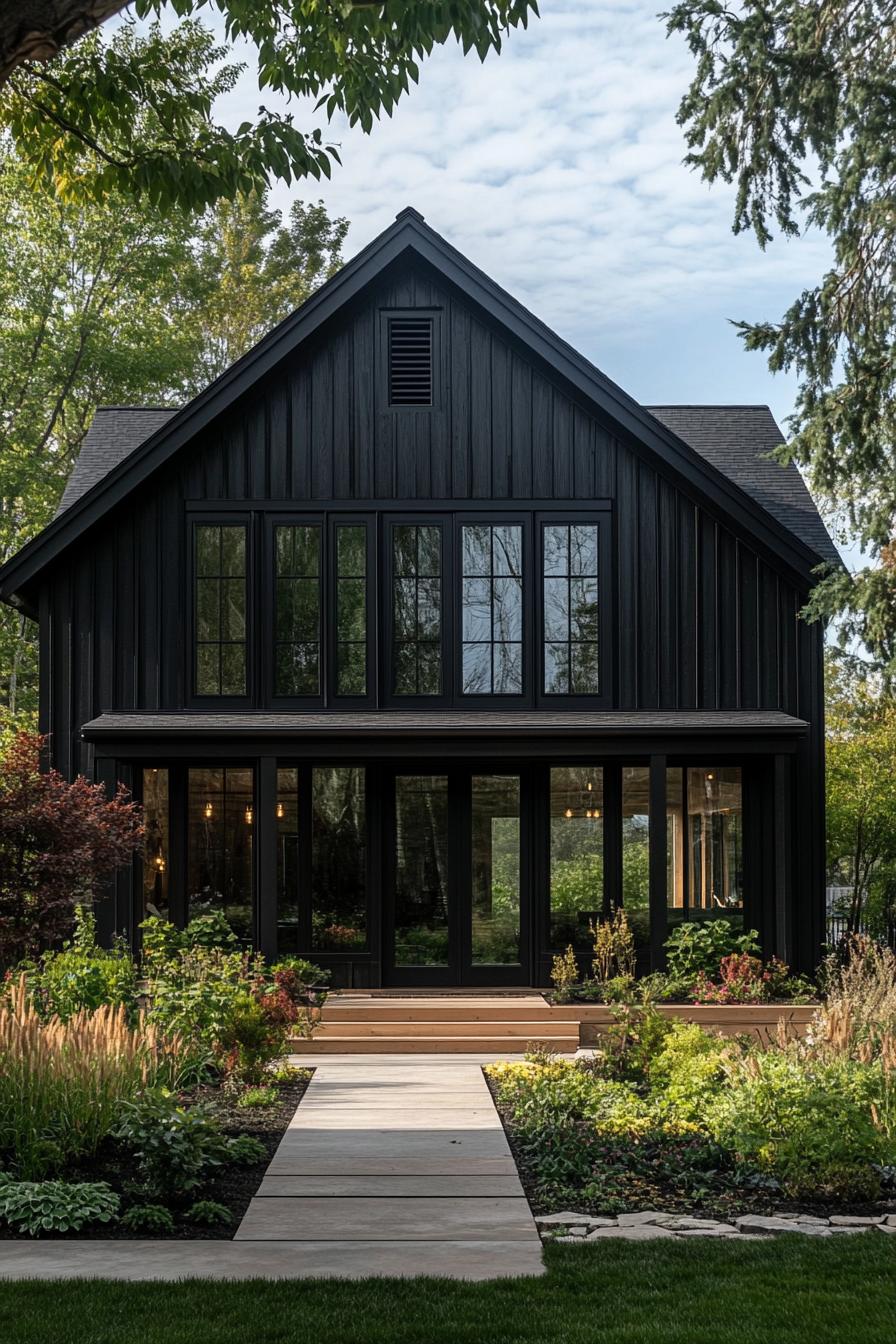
[504,600]
[570,591]
[219,608]
[351,609]
[297,628]
[417,625]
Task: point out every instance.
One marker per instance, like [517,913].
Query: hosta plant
[208,1213]
[36,1207]
[152,1218]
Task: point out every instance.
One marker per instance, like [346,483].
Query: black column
[658,896]
[783,842]
[266,857]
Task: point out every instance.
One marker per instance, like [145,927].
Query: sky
[557,167]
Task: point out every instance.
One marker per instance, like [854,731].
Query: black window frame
[606,649]
[486,517]
[246,520]
[269,606]
[443,522]
[333,699]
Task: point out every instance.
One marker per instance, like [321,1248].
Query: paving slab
[175,1261]
[388,1218]
[339,1186]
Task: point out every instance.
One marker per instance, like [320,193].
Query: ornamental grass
[62,1083]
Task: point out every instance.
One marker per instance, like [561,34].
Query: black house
[424,644]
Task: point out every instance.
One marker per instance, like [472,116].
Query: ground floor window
[156,846]
[576,853]
[338,858]
[636,850]
[220,829]
[422,898]
[704,842]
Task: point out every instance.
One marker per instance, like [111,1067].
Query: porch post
[657,869]
[266,858]
[783,839]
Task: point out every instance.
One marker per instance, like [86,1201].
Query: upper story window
[571,611]
[351,609]
[417,610]
[492,609]
[219,609]
[297,612]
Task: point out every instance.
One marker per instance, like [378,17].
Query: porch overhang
[452,732]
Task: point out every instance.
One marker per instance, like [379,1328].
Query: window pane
[496,869]
[476,548]
[583,549]
[507,609]
[306,562]
[351,610]
[492,609]
[507,550]
[571,609]
[233,550]
[477,622]
[404,669]
[556,669]
[556,609]
[156,900]
[429,608]
[429,552]
[508,669]
[421,870]
[220,822]
[584,678]
[208,550]
[556,550]
[219,609]
[208,669]
[636,850]
[577,854]
[417,607]
[208,609]
[405,608]
[233,609]
[675,846]
[287,811]
[233,669]
[715,851]
[351,551]
[583,609]
[429,669]
[338,859]
[404,551]
[477,669]
[351,669]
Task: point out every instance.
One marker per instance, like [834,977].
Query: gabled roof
[114,433]
[409,235]
[737,440]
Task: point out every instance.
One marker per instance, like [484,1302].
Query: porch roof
[373,725]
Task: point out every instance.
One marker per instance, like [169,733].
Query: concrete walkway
[393,1165]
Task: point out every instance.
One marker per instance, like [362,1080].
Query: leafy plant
[284,1074]
[245,1151]
[565,971]
[56,1206]
[174,1147]
[614,947]
[637,1034]
[62,1084]
[700,945]
[82,975]
[251,1038]
[257,1097]
[742,979]
[208,1213]
[148,1218]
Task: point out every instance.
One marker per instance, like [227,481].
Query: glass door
[455,888]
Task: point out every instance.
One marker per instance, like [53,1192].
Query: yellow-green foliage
[565,969]
[687,1071]
[614,947]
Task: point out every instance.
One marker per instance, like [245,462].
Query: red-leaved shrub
[58,843]
[742,979]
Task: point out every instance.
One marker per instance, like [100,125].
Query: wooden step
[422,1045]
[340,1011]
[330,1029]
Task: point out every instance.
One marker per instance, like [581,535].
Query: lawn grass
[790,1290]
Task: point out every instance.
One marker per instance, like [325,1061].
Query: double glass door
[455,882]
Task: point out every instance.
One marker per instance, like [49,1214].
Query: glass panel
[220,822]
[219,609]
[715,830]
[421,870]
[636,850]
[417,610]
[675,846]
[496,869]
[155,845]
[338,859]
[571,609]
[492,609]
[287,811]
[577,853]
[351,610]
[298,615]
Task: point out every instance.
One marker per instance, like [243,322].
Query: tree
[116,303]
[58,843]
[861,794]
[74,104]
[795,102]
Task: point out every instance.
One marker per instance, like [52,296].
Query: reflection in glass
[496,869]
[636,850]
[297,610]
[220,823]
[492,609]
[351,609]
[570,593]
[421,870]
[219,609]
[338,859]
[155,845]
[705,843]
[577,853]
[417,610]
[287,813]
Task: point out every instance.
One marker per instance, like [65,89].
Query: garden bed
[232,1186]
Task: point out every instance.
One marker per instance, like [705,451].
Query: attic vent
[410,361]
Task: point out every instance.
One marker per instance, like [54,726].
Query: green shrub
[56,1206]
[687,1071]
[564,972]
[148,1218]
[249,1040]
[284,1074]
[636,1036]
[209,1214]
[700,945]
[809,1122]
[244,1151]
[174,1146]
[258,1097]
[305,971]
[82,976]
